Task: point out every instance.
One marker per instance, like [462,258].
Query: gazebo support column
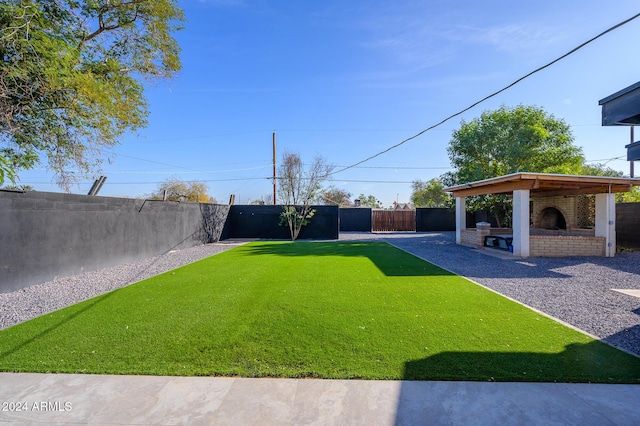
[521,222]
[461,217]
[606,221]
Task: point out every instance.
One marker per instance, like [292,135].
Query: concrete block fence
[46,235]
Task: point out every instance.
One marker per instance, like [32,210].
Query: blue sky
[346,80]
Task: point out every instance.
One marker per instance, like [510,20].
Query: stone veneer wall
[560,246]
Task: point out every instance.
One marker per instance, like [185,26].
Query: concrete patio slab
[634,293]
[27,398]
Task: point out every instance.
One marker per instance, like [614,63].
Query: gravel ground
[37,300]
[575,290]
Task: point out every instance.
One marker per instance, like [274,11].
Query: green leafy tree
[629,197]
[298,188]
[71,76]
[598,169]
[370,201]
[178,190]
[510,140]
[336,197]
[429,194]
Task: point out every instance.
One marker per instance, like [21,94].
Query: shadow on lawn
[390,260]
[89,305]
[422,403]
[590,362]
[626,339]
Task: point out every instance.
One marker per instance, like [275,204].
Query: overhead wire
[606,160]
[254,177]
[143,172]
[473,105]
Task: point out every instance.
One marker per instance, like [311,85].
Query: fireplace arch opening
[552,218]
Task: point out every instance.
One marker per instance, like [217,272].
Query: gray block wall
[46,235]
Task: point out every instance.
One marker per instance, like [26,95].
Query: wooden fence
[393,220]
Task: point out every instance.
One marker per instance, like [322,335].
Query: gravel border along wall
[575,290]
[40,299]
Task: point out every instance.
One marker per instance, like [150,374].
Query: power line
[156,182]
[176,166]
[373,181]
[401,167]
[606,159]
[141,172]
[151,161]
[626,21]
[190,181]
[184,138]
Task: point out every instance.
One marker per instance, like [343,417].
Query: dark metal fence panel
[628,225]
[255,222]
[262,221]
[435,219]
[357,219]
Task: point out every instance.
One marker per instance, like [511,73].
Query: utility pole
[631,162]
[274,167]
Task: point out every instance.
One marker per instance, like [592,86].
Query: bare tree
[178,190]
[298,188]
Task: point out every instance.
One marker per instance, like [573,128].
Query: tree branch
[101,25]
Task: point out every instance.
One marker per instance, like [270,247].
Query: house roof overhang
[622,108]
[545,185]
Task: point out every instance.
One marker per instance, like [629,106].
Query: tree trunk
[496,214]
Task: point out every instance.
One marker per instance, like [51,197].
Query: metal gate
[393,220]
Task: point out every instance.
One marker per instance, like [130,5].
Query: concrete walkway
[151,400]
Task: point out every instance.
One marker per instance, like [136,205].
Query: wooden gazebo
[522,186]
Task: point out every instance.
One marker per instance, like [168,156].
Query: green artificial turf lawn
[311,309]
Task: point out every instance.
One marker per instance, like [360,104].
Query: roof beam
[582,191]
[498,188]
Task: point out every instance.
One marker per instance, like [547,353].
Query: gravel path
[37,300]
[576,290]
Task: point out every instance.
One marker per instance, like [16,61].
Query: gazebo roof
[545,184]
